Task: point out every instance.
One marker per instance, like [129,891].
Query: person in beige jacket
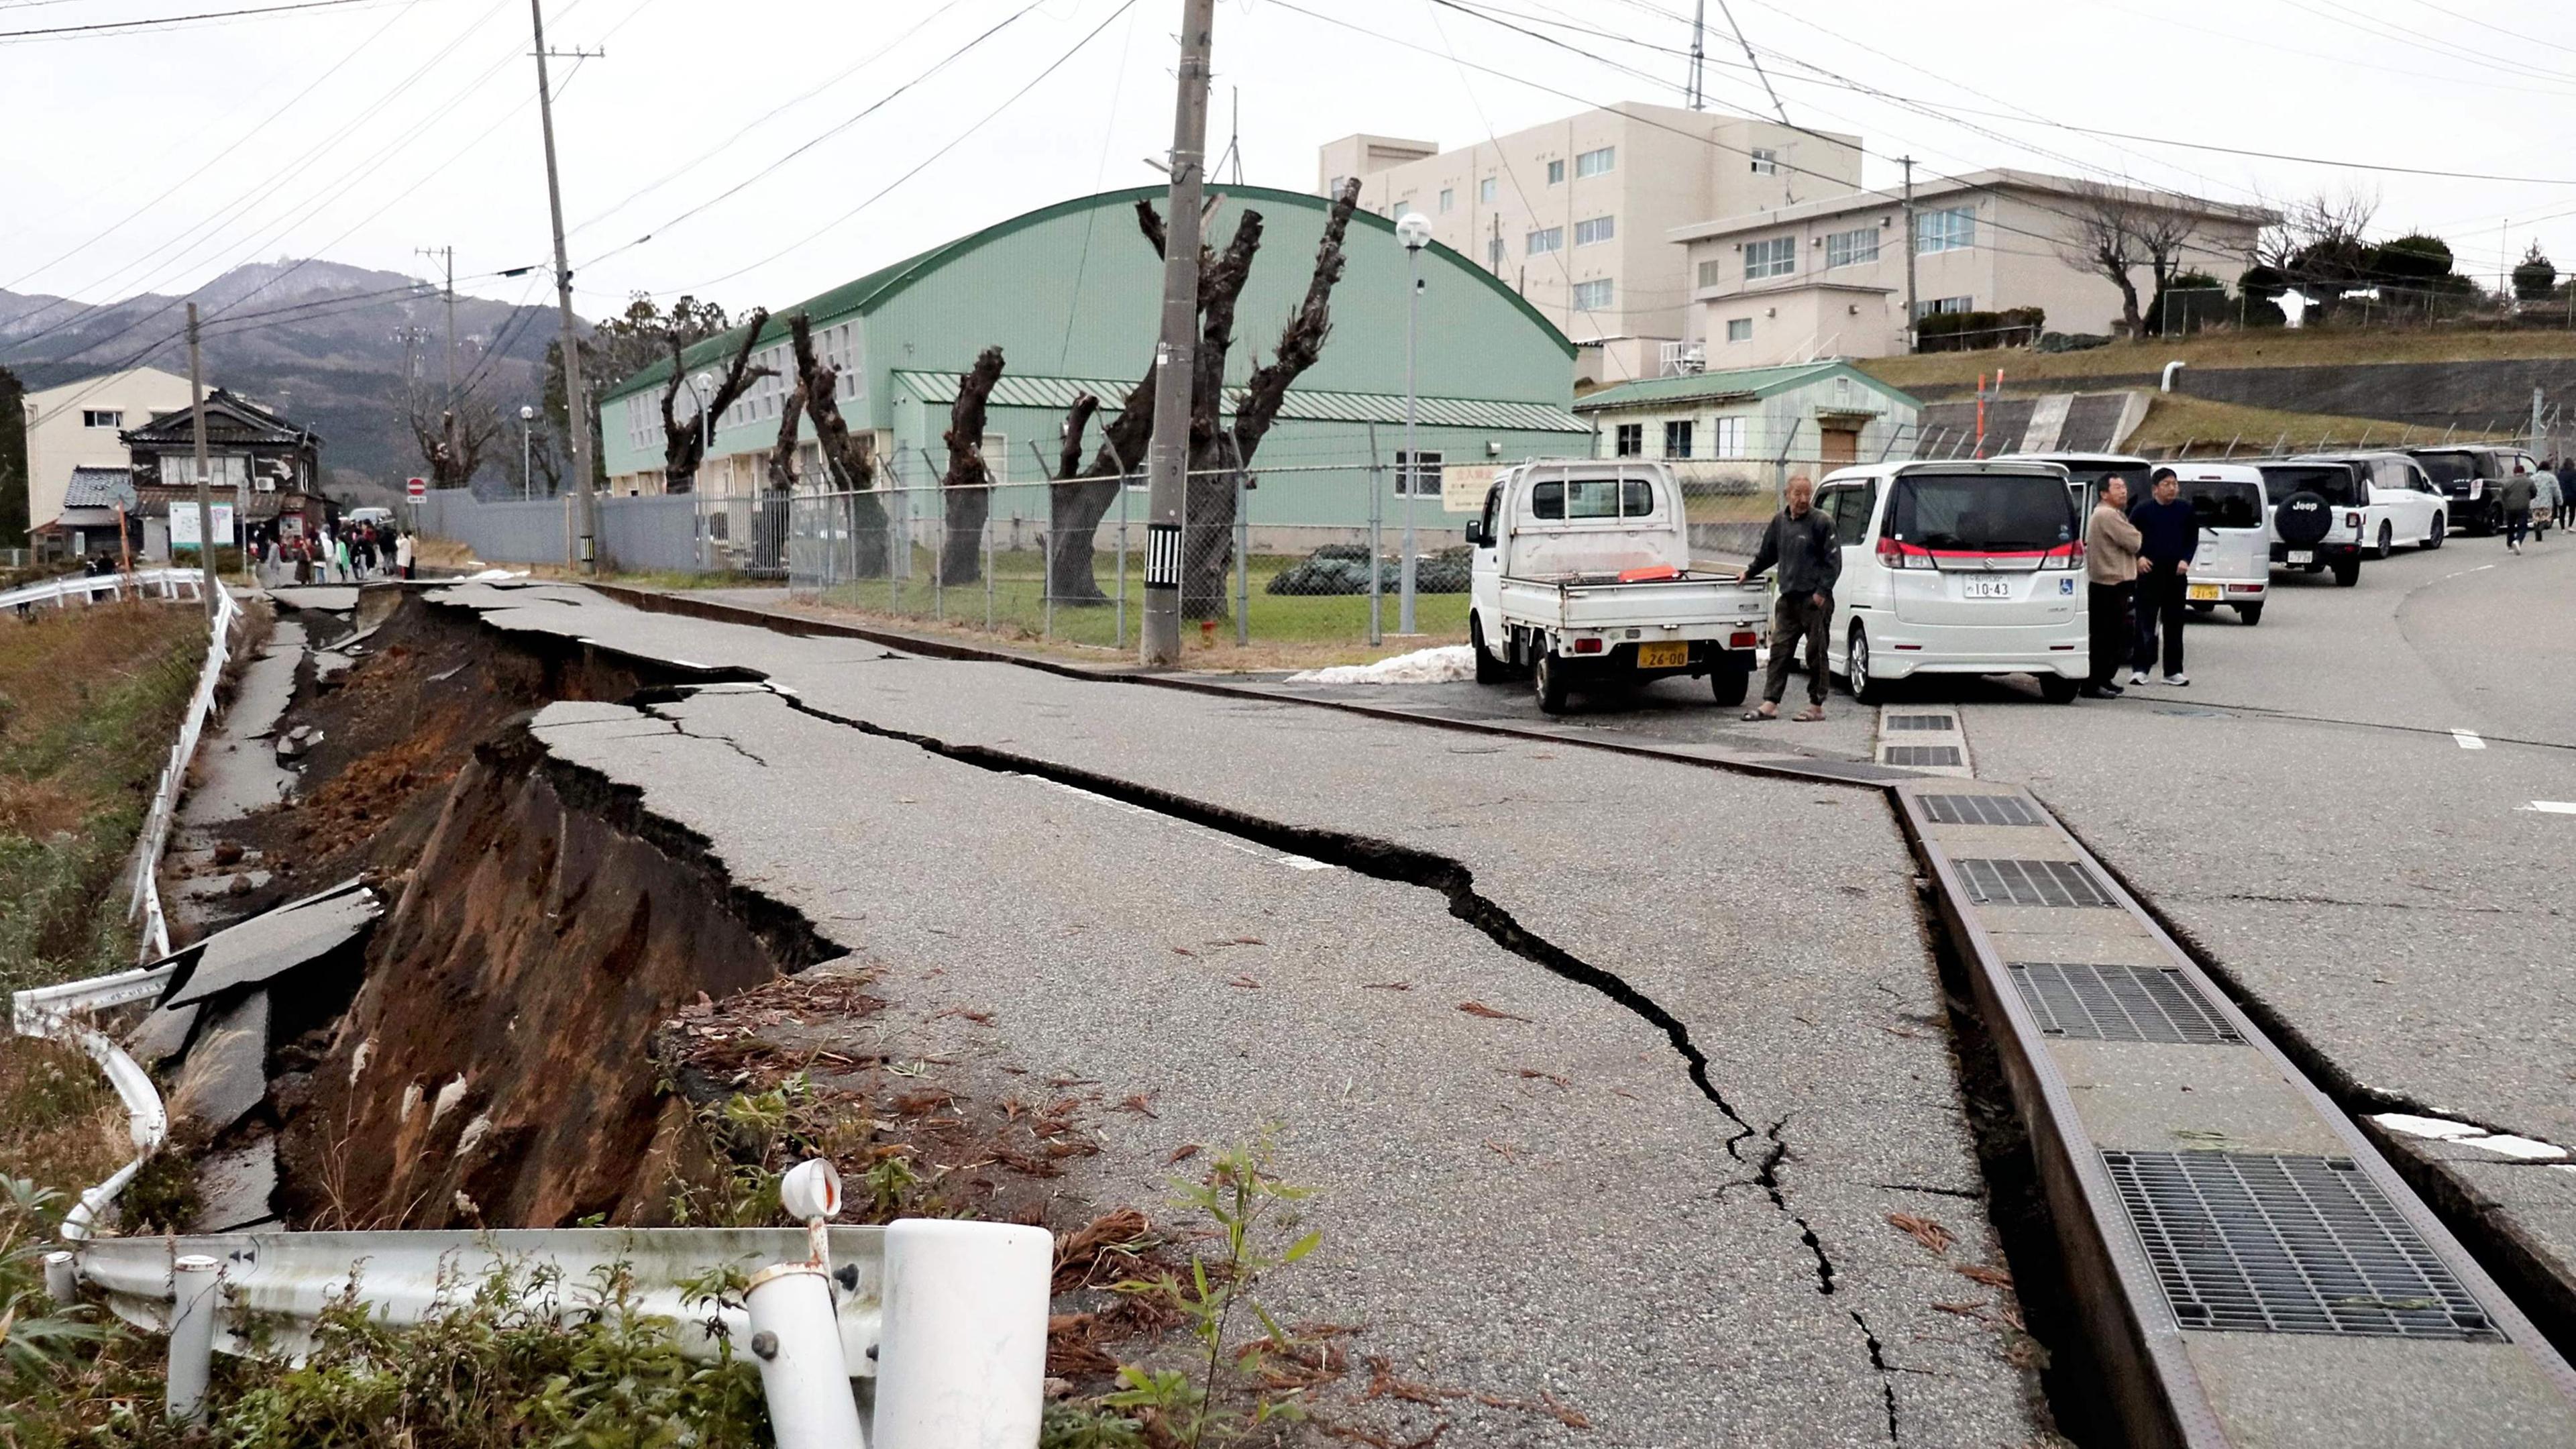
[2110,585]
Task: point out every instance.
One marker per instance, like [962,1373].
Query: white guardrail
[146,583]
[153,927]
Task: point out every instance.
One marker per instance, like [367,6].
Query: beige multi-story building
[1827,277]
[1578,215]
[76,426]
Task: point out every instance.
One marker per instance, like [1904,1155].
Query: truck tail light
[1743,639]
[1587,646]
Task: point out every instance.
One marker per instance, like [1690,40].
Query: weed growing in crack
[1241,1199]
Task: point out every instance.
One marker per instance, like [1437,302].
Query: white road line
[2468,739]
[2551,807]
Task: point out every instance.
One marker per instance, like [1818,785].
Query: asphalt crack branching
[1878,1360]
[1768,1175]
[681,728]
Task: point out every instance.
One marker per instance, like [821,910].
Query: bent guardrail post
[62,1281]
[192,1335]
[962,1356]
[796,1342]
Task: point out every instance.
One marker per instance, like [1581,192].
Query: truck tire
[1549,684]
[2347,572]
[1489,670]
[1729,680]
[2058,689]
[1865,687]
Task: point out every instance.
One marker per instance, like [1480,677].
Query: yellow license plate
[1675,655]
[2204,591]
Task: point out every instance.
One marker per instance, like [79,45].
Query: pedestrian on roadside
[2111,567]
[402,554]
[340,561]
[2516,497]
[303,550]
[2548,500]
[2168,535]
[1802,543]
[2565,473]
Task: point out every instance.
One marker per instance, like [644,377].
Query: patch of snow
[2525,1148]
[2440,1129]
[1443,664]
[493,576]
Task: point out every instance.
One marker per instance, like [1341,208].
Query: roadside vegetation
[2206,428]
[2329,346]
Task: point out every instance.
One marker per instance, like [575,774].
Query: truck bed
[1694,604]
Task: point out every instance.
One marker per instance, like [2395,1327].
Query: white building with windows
[1577,215]
[1815,415]
[1827,277]
[77,424]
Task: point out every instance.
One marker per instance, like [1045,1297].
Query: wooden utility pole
[1167,461]
[1910,305]
[205,483]
[576,396]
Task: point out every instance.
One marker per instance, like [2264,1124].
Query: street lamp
[704,386]
[527,453]
[1414,230]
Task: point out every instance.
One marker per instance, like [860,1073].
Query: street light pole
[1414,230]
[527,453]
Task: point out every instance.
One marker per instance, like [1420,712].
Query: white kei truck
[1581,579]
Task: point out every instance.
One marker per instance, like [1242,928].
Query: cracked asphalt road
[1683,1273]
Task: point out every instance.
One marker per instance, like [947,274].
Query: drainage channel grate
[2090,1002]
[1977,810]
[1920,754]
[2251,1243]
[1922,721]
[2033,883]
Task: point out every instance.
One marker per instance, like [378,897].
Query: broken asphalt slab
[271,943]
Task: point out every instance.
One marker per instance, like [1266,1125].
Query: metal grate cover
[1920,754]
[1977,810]
[2090,1002]
[2033,883]
[1922,721]
[2251,1243]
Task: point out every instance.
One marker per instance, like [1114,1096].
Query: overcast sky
[154,160]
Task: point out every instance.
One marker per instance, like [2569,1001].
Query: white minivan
[1957,567]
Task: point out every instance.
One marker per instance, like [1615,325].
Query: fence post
[1242,561]
[796,1341]
[192,1335]
[962,1357]
[1046,546]
[986,539]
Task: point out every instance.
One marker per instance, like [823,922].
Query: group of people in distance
[345,555]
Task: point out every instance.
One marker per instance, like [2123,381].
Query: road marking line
[2468,739]
[2551,807]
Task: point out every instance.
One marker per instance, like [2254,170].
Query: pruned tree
[968,484]
[684,440]
[782,454]
[617,348]
[1218,454]
[2320,247]
[452,441]
[2535,279]
[849,465]
[2165,235]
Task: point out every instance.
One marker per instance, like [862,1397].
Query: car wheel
[1866,688]
[1549,683]
[2347,573]
[2440,527]
[2204,608]
[2058,689]
[2249,614]
[2387,538]
[1728,681]
[1489,670]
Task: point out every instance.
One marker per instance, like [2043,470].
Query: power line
[161,21]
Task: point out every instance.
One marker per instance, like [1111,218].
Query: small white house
[1820,414]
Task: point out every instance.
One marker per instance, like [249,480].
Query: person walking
[2565,473]
[2548,500]
[2110,586]
[1801,542]
[2516,498]
[2168,535]
[402,554]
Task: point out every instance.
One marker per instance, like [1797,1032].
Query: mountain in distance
[327,345]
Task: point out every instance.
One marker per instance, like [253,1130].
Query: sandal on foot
[1755,714]
[1810,716]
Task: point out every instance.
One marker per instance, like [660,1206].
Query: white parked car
[2405,505]
[1958,567]
[2233,565]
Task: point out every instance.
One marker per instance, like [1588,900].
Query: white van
[2233,565]
[1957,567]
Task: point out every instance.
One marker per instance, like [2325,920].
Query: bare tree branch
[848,467]
[684,444]
[969,479]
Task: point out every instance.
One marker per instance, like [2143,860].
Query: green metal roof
[1736,383]
[865,293]
[1020,390]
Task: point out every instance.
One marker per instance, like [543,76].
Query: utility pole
[576,397]
[449,253]
[1910,308]
[1699,57]
[1167,461]
[205,483]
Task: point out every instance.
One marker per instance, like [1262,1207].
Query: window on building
[1555,172]
[1774,257]
[1629,441]
[102,418]
[1766,162]
[1592,296]
[1594,230]
[1843,248]
[1709,273]
[1448,198]
[1739,329]
[1485,189]
[1596,163]
[1949,230]
[1677,440]
[1726,438]
[1420,480]
[1545,240]
[1945,304]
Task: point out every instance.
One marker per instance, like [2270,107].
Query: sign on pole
[416,488]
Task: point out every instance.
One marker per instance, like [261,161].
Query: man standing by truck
[2110,583]
[1801,542]
[2168,535]
[2516,499]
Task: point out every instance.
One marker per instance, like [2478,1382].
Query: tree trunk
[847,464]
[968,486]
[2129,306]
[1069,535]
[684,444]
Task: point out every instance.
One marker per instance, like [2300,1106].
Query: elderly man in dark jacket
[1801,542]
